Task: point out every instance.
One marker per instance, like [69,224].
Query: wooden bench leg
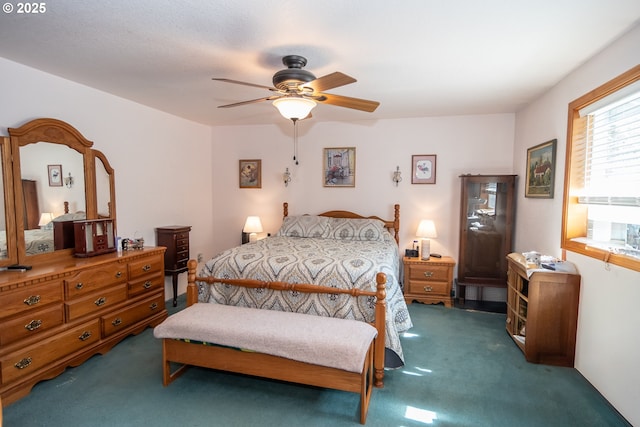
[167,376]
[366,386]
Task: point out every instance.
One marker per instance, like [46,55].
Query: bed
[339,249]
[59,234]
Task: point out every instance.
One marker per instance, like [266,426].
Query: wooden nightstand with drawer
[429,281]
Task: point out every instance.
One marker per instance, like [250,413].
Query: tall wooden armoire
[31,209]
[487,221]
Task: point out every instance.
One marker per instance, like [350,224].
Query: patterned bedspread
[331,262]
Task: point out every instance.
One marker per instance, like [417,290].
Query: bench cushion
[324,341]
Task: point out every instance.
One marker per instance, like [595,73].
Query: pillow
[71,217]
[356,229]
[304,226]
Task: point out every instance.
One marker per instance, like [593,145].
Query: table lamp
[426,230]
[252,226]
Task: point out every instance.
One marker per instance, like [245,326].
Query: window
[601,215]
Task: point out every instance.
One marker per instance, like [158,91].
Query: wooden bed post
[380,311]
[396,222]
[192,289]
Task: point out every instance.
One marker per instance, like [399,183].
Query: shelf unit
[542,312]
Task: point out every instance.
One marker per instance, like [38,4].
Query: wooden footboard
[379,294]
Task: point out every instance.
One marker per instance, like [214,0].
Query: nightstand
[429,281]
[176,239]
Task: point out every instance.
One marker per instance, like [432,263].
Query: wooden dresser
[61,313]
[176,239]
[429,281]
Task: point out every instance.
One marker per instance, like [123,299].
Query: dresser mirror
[57,179]
[8,252]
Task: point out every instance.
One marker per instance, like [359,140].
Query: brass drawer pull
[79,285]
[428,289]
[100,301]
[153,306]
[147,284]
[118,274]
[117,321]
[428,274]
[33,325]
[147,267]
[23,363]
[32,300]
[85,336]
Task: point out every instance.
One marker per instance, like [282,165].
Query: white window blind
[608,152]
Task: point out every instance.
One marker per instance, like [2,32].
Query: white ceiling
[416,57]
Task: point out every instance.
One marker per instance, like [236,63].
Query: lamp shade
[294,107]
[45,218]
[252,225]
[427,229]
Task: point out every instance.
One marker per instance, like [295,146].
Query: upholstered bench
[307,349]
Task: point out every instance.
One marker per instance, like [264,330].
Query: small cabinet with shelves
[542,312]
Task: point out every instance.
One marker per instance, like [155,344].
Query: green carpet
[462,370]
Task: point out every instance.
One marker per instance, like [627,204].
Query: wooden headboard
[392,225]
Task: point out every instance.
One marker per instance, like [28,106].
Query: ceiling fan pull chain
[295,140]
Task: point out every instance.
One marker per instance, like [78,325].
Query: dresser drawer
[98,301]
[26,361]
[429,288]
[429,272]
[148,285]
[120,320]
[145,267]
[182,235]
[87,281]
[31,323]
[30,298]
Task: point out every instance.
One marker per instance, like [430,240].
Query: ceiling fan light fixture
[294,107]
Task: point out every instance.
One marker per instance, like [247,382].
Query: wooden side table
[176,239]
[429,281]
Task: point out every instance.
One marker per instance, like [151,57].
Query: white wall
[160,160]
[608,348]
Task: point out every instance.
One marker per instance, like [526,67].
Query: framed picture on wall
[250,173]
[339,167]
[541,164]
[55,175]
[423,169]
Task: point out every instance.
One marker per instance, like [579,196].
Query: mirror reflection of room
[64,202]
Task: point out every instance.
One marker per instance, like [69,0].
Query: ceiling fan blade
[244,83]
[253,101]
[347,102]
[329,81]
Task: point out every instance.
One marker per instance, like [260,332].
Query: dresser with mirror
[59,309]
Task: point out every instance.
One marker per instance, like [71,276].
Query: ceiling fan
[296,91]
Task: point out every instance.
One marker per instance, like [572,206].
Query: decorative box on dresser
[61,313]
[176,239]
[542,312]
[429,281]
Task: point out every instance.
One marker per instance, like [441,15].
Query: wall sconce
[68,181]
[397,177]
[45,221]
[426,230]
[251,228]
[286,176]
